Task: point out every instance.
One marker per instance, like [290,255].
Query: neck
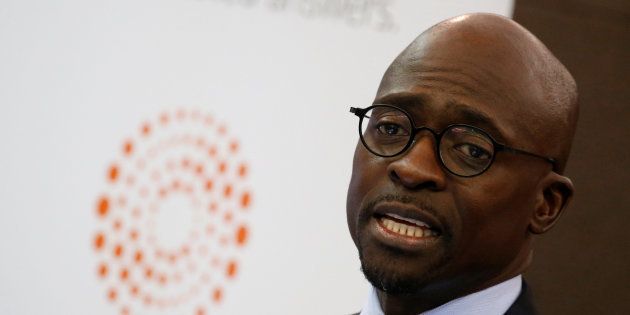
[432,296]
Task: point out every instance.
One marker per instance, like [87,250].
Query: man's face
[477,226]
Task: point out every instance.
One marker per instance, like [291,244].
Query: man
[458,167]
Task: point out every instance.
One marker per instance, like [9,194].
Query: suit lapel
[524,304]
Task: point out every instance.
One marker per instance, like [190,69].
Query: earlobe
[554,196]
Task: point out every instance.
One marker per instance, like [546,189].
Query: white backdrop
[78,79]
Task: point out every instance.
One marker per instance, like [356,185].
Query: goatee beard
[384,276]
[388,282]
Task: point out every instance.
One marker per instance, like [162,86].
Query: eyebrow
[405,100]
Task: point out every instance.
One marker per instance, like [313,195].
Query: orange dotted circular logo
[172,218]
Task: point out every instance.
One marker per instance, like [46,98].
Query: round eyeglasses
[464,150]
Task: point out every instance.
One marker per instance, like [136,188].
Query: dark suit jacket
[524,304]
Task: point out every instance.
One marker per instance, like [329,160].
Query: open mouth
[406,227]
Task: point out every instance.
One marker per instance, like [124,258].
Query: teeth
[389,224]
[411,231]
[403,229]
[396,227]
[418,233]
[407,230]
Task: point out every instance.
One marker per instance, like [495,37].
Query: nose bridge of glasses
[417,138]
[418,131]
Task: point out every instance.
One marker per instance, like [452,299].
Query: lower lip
[396,240]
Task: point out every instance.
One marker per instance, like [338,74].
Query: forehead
[442,90]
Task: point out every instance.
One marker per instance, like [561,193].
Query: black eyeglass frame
[498,147]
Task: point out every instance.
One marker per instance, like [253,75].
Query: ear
[555,193]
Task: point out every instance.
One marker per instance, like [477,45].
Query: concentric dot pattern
[182,165]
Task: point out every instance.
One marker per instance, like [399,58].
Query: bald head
[504,65]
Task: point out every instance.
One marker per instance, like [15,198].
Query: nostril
[394,176]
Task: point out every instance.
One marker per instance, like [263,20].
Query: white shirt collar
[495,300]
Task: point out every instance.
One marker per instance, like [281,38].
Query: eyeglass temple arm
[357,111]
[517,151]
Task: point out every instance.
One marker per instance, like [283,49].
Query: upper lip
[407,211]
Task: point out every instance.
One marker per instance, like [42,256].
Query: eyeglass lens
[463,150]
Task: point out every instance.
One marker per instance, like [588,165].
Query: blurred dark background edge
[582,266]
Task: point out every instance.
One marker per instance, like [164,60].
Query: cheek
[502,199]
[494,218]
[366,173]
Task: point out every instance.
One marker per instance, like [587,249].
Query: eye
[391,129]
[473,151]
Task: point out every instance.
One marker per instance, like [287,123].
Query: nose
[419,167]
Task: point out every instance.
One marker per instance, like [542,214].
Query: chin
[390,282]
[397,273]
